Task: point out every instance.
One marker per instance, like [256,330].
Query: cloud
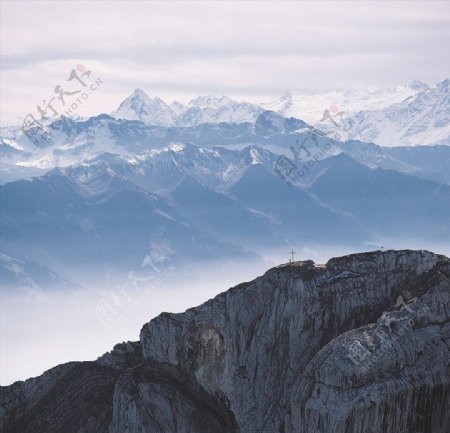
[253,50]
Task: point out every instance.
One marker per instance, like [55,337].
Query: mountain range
[186,203]
[102,197]
[409,115]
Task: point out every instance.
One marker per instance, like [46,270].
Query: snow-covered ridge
[214,109]
[310,107]
[203,109]
[412,114]
[421,119]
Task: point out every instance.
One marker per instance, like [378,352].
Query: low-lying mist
[42,328]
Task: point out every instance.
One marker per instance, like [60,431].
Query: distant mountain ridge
[203,109]
[70,142]
[189,203]
[310,107]
[413,114]
[89,198]
[421,119]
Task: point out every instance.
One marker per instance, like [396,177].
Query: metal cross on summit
[292,252]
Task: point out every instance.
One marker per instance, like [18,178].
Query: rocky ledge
[359,345]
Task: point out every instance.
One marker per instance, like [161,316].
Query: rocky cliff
[361,344]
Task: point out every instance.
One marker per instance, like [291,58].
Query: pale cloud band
[247,50]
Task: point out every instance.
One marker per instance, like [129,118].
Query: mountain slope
[222,217]
[421,119]
[389,202]
[433,161]
[53,222]
[294,213]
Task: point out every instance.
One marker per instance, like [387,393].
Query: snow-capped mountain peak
[203,109]
[140,98]
[139,106]
[139,94]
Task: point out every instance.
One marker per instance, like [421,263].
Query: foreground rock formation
[359,345]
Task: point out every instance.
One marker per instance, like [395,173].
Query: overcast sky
[247,50]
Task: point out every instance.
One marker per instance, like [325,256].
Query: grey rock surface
[361,344]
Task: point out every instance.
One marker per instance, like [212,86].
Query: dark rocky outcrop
[361,344]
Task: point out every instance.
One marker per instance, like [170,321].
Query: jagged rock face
[360,344]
